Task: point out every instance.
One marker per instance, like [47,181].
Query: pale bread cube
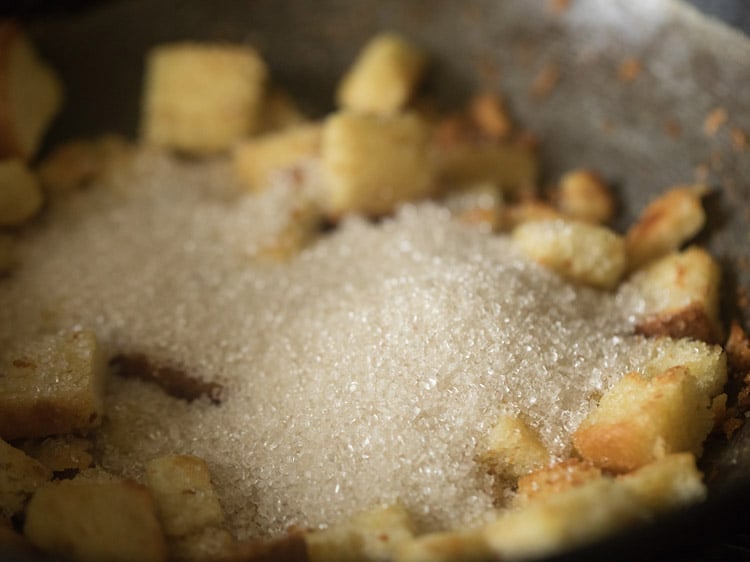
[511,166]
[30,94]
[372,163]
[185,498]
[640,420]
[561,521]
[667,483]
[20,194]
[77,163]
[383,77]
[582,195]
[20,476]
[52,385]
[681,296]
[369,536]
[67,452]
[255,159]
[94,521]
[665,224]
[551,480]
[450,546]
[201,98]
[706,363]
[512,449]
[583,253]
[210,543]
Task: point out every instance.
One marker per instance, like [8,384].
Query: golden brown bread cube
[30,94]
[373,163]
[185,498]
[640,420]
[383,77]
[582,195]
[512,449]
[255,159]
[201,98]
[95,522]
[551,480]
[51,385]
[583,253]
[561,521]
[448,546]
[369,536]
[511,166]
[20,475]
[665,224]
[529,210]
[706,363]
[681,296]
[66,452]
[20,194]
[488,112]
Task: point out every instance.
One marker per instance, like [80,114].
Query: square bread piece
[91,521]
[383,77]
[51,385]
[185,498]
[640,420]
[371,163]
[201,98]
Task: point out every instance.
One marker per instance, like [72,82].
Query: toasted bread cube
[640,420]
[582,195]
[383,77]
[75,164]
[512,167]
[51,386]
[257,158]
[94,521]
[279,112]
[551,480]
[512,449]
[20,195]
[371,163]
[20,475]
[488,112]
[561,521]
[185,499]
[681,296]
[210,543]
[30,94]
[706,363]
[583,253]
[467,546]
[667,483]
[666,223]
[67,452]
[369,536]
[201,98]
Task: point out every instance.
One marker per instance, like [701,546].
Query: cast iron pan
[644,136]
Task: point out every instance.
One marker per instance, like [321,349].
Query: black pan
[644,136]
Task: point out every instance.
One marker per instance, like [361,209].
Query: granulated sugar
[367,370]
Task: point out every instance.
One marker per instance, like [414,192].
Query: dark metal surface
[644,136]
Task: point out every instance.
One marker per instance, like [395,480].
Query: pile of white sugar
[366,370]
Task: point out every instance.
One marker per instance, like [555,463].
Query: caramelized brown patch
[689,322]
[175,382]
[738,351]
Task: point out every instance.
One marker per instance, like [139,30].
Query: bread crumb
[715,120]
[545,81]
[739,139]
[629,69]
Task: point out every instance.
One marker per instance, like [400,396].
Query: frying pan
[643,136]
